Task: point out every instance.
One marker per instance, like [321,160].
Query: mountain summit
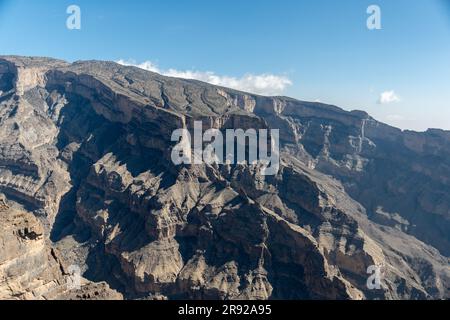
[89,187]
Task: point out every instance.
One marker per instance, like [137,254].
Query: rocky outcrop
[377,164]
[30,268]
[85,160]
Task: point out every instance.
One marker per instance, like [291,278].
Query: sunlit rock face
[88,181]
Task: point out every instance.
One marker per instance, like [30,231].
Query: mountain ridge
[86,148]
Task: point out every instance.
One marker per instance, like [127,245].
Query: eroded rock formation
[85,167]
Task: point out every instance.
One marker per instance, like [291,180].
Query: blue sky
[311,50]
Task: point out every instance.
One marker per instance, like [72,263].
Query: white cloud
[265,84]
[388,97]
[146,65]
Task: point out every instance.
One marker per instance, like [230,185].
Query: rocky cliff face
[400,177]
[86,171]
[31,269]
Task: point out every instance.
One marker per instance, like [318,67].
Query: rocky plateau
[86,180]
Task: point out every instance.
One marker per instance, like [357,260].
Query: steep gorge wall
[96,138]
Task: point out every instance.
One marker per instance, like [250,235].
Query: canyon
[87,180]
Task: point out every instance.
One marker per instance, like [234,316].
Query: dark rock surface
[85,159]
